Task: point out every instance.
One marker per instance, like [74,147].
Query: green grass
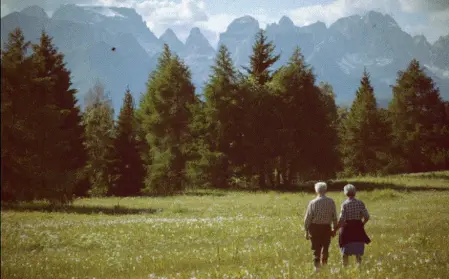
[214,234]
[412,181]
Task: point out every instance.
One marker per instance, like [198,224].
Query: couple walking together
[321,213]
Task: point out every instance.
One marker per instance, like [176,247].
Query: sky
[417,17]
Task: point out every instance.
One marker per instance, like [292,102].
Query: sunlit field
[214,234]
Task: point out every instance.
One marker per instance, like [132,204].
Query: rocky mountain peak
[286,21]
[169,37]
[243,24]
[35,11]
[198,42]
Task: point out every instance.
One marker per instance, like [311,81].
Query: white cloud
[4,10]
[413,6]
[437,12]
[159,15]
[404,12]
[183,15]
[329,13]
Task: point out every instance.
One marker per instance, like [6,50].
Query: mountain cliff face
[35,11]
[338,53]
[199,55]
[287,37]
[239,38]
[169,37]
[113,20]
[440,53]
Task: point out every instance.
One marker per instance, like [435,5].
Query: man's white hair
[320,187]
[349,190]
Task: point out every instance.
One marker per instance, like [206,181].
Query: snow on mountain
[442,73]
[104,11]
[338,53]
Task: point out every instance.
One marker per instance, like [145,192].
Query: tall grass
[215,234]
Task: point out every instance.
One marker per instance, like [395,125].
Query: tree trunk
[278,178]
[262,183]
[271,176]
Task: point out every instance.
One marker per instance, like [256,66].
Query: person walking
[321,213]
[353,217]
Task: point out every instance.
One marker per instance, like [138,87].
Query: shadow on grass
[429,176]
[41,207]
[204,193]
[337,186]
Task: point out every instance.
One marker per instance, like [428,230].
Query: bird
[113,49]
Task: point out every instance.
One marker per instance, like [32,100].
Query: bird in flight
[113,49]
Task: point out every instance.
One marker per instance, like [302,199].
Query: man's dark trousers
[321,240]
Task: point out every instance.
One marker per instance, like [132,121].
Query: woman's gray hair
[349,190]
[320,187]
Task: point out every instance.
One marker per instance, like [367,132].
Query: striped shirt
[321,210]
[353,209]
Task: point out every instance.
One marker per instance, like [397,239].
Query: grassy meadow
[216,234]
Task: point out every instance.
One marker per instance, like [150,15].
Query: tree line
[256,128]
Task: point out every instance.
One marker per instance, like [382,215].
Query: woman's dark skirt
[352,238]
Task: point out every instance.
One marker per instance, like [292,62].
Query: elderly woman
[353,217]
[321,213]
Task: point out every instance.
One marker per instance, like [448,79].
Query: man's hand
[307,235]
[333,233]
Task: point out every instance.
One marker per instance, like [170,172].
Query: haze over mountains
[338,53]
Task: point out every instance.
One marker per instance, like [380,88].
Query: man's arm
[334,218]
[342,218]
[308,217]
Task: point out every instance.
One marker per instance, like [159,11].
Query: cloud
[329,13]
[4,10]
[405,12]
[183,15]
[437,13]
[413,6]
[47,5]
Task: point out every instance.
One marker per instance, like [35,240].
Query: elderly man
[321,213]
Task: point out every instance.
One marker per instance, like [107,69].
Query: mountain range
[338,53]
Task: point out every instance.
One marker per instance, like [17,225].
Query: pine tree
[330,140]
[258,106]
[37,133]
[222,116]
[59,143]
[262,59]
[99,124]
[129,170]
[166,115]
[16,87]
[364,135]
[417,119]
[304,112]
